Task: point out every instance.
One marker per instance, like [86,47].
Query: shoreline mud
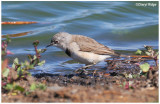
[89,88]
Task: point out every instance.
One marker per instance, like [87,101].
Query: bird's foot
[83,69]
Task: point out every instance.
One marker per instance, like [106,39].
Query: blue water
[122,26]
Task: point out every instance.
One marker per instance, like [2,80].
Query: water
[122,26]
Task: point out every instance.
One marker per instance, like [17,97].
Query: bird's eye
[55,42]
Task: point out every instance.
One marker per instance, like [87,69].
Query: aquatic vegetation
[19,70]
[4,47]
[149,52]
[144,67]
[136,66]
[138,52]
[35,86]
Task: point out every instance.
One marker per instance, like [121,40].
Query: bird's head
[60,40]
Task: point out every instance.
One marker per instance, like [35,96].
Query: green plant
[19,70]
[145,67]
[14,87]
[35,86]
[138,52]
[149,52]
[4,47]
[34,60]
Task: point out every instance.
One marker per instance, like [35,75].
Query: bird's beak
[49,45]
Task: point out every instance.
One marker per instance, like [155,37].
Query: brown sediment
[101,87]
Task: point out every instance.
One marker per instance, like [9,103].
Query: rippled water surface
[122,26]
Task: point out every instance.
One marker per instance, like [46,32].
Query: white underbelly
[87,57]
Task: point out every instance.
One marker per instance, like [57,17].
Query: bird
[81,48]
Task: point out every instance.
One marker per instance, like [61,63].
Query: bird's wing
[87,44]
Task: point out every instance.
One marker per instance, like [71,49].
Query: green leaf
[41,63]
[29,74]
[13,66]
[19,71]
[3,52]
[147,53]
[33,86]
[9,86]
[41,50]
[148,47]
[31,67]
[16,61]
[157,55]
[14,87]
[5,72]
[42,86]
[30,57]
[27,93]
[19,88]
[138,52]
[34,57]
[8,39]
[145,67]
[26,63]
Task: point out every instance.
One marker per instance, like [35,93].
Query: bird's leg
[85,67]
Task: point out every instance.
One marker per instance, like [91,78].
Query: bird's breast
[88,57]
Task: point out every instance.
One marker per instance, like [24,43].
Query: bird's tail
[119,55]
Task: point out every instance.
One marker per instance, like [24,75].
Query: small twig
[18,22]
[156,61]
[94,72]
[37,53]
[35,43]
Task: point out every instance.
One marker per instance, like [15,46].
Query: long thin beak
[49,45]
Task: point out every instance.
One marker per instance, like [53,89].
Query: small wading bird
[82,49]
